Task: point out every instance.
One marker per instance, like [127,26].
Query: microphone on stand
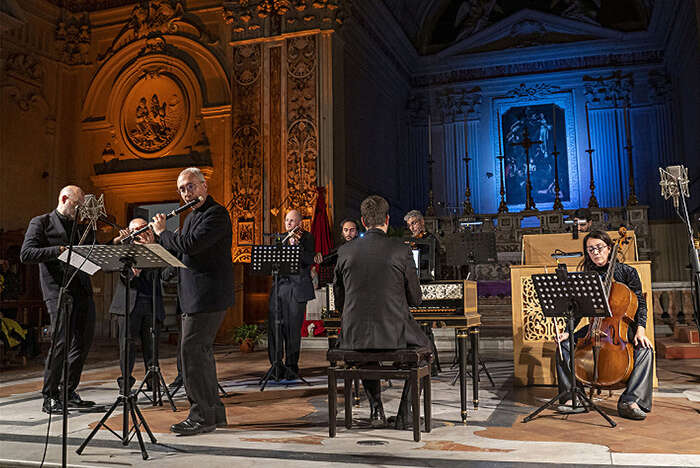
[175,212]
[92,209]
[674,183]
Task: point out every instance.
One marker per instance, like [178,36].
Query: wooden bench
[412,365]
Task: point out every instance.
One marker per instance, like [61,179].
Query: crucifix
[526,143]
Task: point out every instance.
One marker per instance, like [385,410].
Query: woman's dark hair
[587,264]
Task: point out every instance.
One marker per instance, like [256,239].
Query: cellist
[635,401]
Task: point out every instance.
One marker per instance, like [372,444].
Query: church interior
[505,123]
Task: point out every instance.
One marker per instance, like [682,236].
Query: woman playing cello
[635,401]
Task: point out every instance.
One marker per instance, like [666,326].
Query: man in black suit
[140,305]
[205,292]
[288,305]
[46,238]
[375,284]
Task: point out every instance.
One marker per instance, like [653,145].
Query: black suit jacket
[117,306]
[204,246]
[375,283]
[303,287]
[41,245]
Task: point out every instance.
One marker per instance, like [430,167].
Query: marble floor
[287,426]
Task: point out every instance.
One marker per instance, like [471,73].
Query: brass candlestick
[592,201]
[632,199]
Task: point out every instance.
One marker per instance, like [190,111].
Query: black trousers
[199,367]
[639,386]
[82,327]
[140,324]
[288,318]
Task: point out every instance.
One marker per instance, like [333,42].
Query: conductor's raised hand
[158,223]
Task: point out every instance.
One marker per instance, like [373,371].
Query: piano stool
[411,364]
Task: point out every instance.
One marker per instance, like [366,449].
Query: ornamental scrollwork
[302,152]
[301,56]
[442,291]
[157,17]
[533,92]
[610,90]
[246,63]
[72,39]
[246,171]
[25,67]
[536,327]
[255,18]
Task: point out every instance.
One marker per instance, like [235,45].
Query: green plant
[249,331]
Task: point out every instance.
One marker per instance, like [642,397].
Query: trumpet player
[288,303]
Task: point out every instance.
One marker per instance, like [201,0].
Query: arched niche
[148,113]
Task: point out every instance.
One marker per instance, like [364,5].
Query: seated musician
[582,218]
[375,283]
[293,294]
[635,401]
[348,231]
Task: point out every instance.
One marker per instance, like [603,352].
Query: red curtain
[320,227]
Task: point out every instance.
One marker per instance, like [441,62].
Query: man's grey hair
[194,171]
[374,210]
[413,213]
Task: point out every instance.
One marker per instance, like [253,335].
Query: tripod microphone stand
[571,296]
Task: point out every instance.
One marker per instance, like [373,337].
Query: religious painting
[246,232]
[531,135]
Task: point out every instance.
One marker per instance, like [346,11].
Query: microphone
[92,209]
[176,211]
[674,183]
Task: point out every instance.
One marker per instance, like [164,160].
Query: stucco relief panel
[153,115]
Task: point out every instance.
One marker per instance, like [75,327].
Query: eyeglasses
[187,188]
[596,248]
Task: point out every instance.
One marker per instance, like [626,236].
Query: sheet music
[165,255]
[76,260]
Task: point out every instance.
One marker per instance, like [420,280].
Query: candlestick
[557,200]
[430,136]
[588,128]
[632,199]
[500,149]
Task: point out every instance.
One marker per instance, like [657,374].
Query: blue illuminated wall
[623,78]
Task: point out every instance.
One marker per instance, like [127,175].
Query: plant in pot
[248,336]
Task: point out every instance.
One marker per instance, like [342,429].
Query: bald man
[46,238]
[288,305]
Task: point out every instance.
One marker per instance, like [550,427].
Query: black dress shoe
[376,418]
[52,406]
[74,401]
[189,427]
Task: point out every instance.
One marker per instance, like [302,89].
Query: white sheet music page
[76,260]
[165,255]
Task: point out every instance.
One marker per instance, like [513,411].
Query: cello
[604,358]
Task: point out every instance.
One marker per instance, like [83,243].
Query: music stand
[276,260]
[123,258]
[158,386]
[572,296]
[469,248]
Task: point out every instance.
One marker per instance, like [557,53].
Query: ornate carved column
[282,85]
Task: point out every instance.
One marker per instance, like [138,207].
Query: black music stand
[158,386]
[427,256]
[469,248]
[571,295]
[276,260]
[123,258]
